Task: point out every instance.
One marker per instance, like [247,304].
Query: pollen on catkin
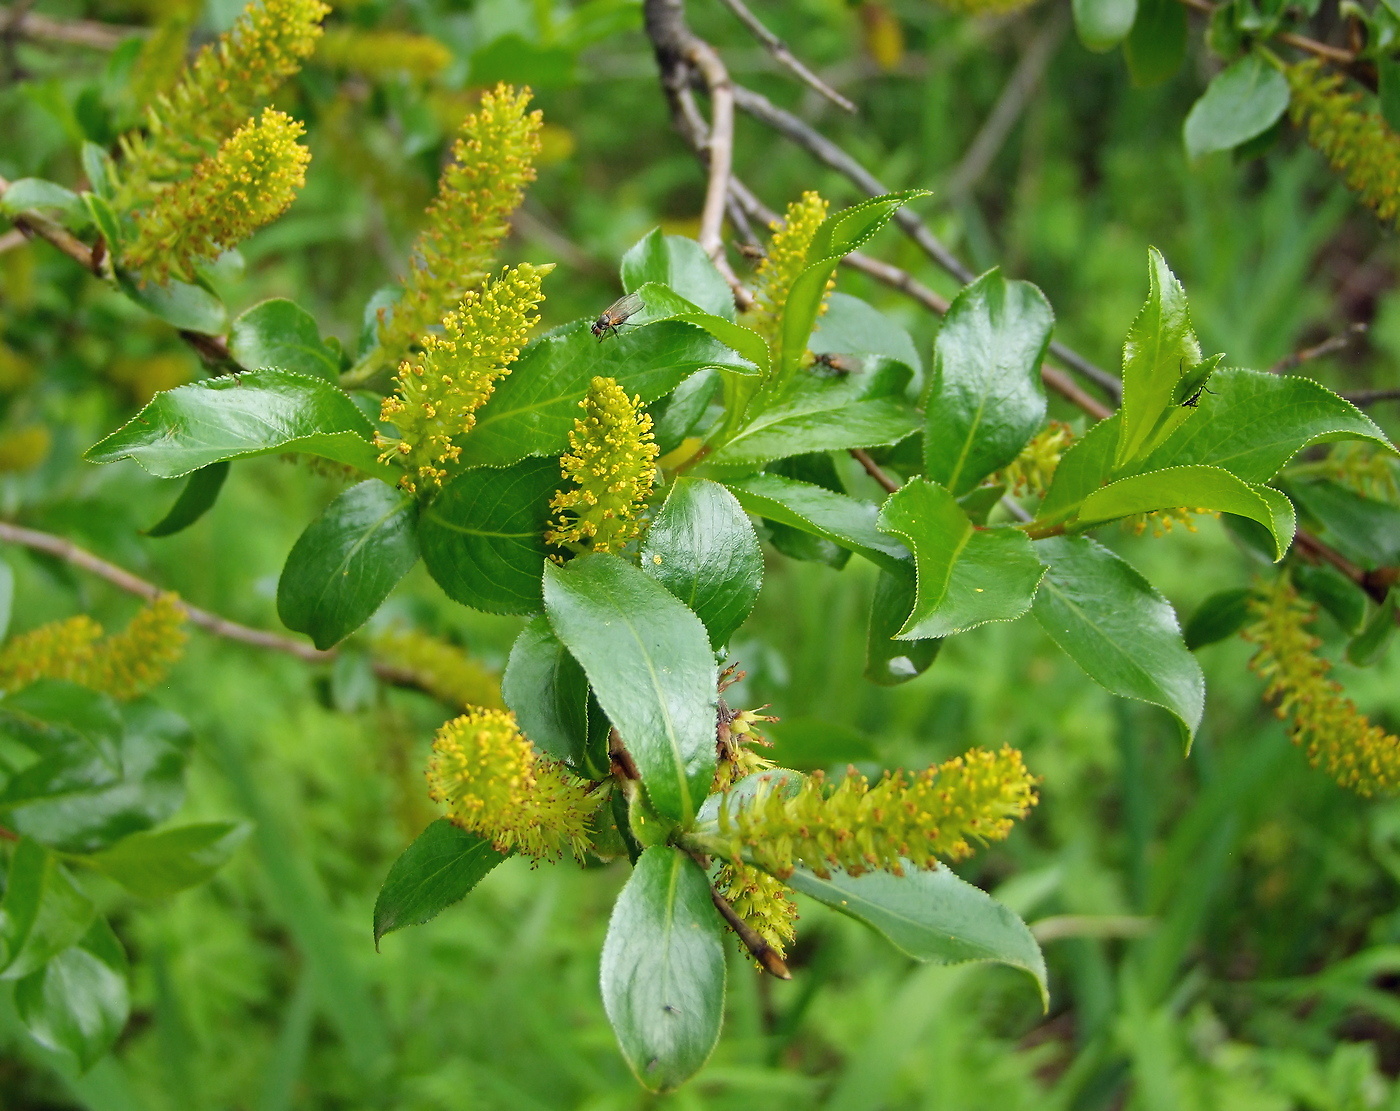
[610,468]
[786,259]
[492,782]
[383,53]
[916,817]
[440,389]
[251,181]
[442,669]
[493,162]
[124,665]
[1031,471]
[221,88]
[1361,147]
[762,901]
[1335,735]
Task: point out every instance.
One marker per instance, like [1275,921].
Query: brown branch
[776,47]
[1370,397]
[21,24]
[766,956]
[872,468]
[1328,346]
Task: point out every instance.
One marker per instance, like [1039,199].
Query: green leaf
[702,549]
[849,230]
[1196,487]
[663,969]
[851,326]
[1221,615]
[534,407]
[1114,625]
[1103,24]
[74,800]
[7,596]
[76,1004]
[661,303]
[680,264]
[1252,423]
[931,916]
[679,415]
[889,662]
[650,664]
[281,335]
[966,576]
[1333,591]
[1243,100]
[35,192]
[1160,348]
[1363,529]
[98,167]
[191,308]
[154,865]
[200,492]
[1370,645]
[821,512]
[547,691]
[102,215]
[437,870]
[1083,469]
[59,717]
[1387,94]
[43,912]
[796,429]
[233,416]
[346,561]
[987,399]
[1156,47]
[483,535]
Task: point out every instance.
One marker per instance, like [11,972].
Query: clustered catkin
[1032,471]
[785,260]
[440,389]
[383,53]
[1335,735]
[493,783]
[762,901]
[442,669]
[610,467]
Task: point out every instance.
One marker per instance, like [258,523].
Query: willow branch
[1347,60]
[872,468]
[1370,397]
[776,47]
[1330,345]
[70,32]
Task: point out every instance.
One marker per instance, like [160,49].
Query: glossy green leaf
[547,691]
[43,911]
[1252,423]
[35,192]
[1115,625]
[437,870]
[1370,645]
[60,719]
[1083,469]
[191,308]
[1199,487]
[889,662]
[682,265]
[1156,46]
[1333,591]
[851,326]
[679,415]
[663,969]
[76,1004]
[966,576]
[346,561]
[931,916]
[281,335]
[649,662]
[1221,615]
[793,430]
[233,416]
[534,407]
[483,536]
[1160,348]
[1103,24]
[987,399]
[200,492]
[1363,529]
[660,303]
[702,548]
[821,512]
[1243,100]
[155,865]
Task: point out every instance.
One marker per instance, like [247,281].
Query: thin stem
[766,956]
[776,47]
[1328,346]
[872,468]
[1370,397]
[21,24]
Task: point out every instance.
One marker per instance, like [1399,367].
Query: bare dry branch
[780,51]
[1370,397]
[1330,345]
[18,23]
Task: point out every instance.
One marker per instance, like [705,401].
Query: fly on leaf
[615,316]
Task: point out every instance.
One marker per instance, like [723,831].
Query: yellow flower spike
[124,665]
[1336,737]
[488,776]
[493,161]
[761,901]
[611,465]
[1362,148]
[248,183]
[1031,471]
[443,669]
[440,390]
[383,53]
[918,816]
[220,89]
[786,259]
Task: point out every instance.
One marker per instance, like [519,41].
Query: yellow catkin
[762,901]
[250,181]
[786,259]
[442,669]
[124,665]
[736,757]
[1335,735]
[383,53]
[916,817]
[221,88]
[1365,469]
[24,448]
[1361,147]
[1031,471]
[1162,521]
[440,390]
[610,468]
[492,783]
[493,162]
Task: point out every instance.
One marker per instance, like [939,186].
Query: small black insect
[615,316]
[828,365]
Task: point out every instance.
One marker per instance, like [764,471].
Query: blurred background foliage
[1266,971]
